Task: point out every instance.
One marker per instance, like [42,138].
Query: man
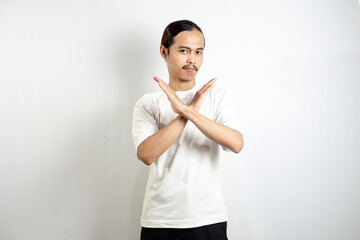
[178,132]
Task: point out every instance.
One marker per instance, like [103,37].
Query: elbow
[237,149]
[146,158]
[147,162]
[239,144]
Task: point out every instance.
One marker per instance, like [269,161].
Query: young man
[178,132]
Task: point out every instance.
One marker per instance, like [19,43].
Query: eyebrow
[201,48]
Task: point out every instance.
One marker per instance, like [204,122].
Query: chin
[188,79]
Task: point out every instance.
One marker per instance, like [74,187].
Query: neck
[179,85]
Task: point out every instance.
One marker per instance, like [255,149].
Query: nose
[191,59]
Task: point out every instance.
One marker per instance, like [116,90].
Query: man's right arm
[155,145]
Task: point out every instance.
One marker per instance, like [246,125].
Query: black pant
[216,231]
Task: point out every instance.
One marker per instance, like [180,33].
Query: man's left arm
[219,133]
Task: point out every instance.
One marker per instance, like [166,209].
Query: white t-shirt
[184,185]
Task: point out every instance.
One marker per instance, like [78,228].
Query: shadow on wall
[133,62]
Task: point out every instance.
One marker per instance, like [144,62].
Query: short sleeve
[144,122]
[225,112]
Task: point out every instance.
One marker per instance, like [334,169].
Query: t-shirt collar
[191,91]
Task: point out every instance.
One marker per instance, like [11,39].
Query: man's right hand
[201,93]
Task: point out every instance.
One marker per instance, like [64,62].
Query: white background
[71,72]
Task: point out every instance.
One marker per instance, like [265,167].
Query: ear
[164,52]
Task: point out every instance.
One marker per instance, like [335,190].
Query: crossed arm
[155,145]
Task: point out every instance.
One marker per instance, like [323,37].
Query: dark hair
[175,28]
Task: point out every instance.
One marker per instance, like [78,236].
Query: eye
[183,50]
[199,52]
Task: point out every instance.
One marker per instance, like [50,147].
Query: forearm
[155,145]
[221,134]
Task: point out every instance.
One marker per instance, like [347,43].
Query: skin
[184,62]
[185,59]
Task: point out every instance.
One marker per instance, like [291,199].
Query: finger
[207,90]
[166,88]
[162,84]
[214,79]
[207,85]
[158,80]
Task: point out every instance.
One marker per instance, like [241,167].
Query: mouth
[190,68]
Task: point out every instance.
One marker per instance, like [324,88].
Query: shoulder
[221,98]
[219,89]
[218,92]
[149,99]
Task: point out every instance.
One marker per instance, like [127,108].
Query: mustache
[190,66]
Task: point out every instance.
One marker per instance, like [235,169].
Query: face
[185,55]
